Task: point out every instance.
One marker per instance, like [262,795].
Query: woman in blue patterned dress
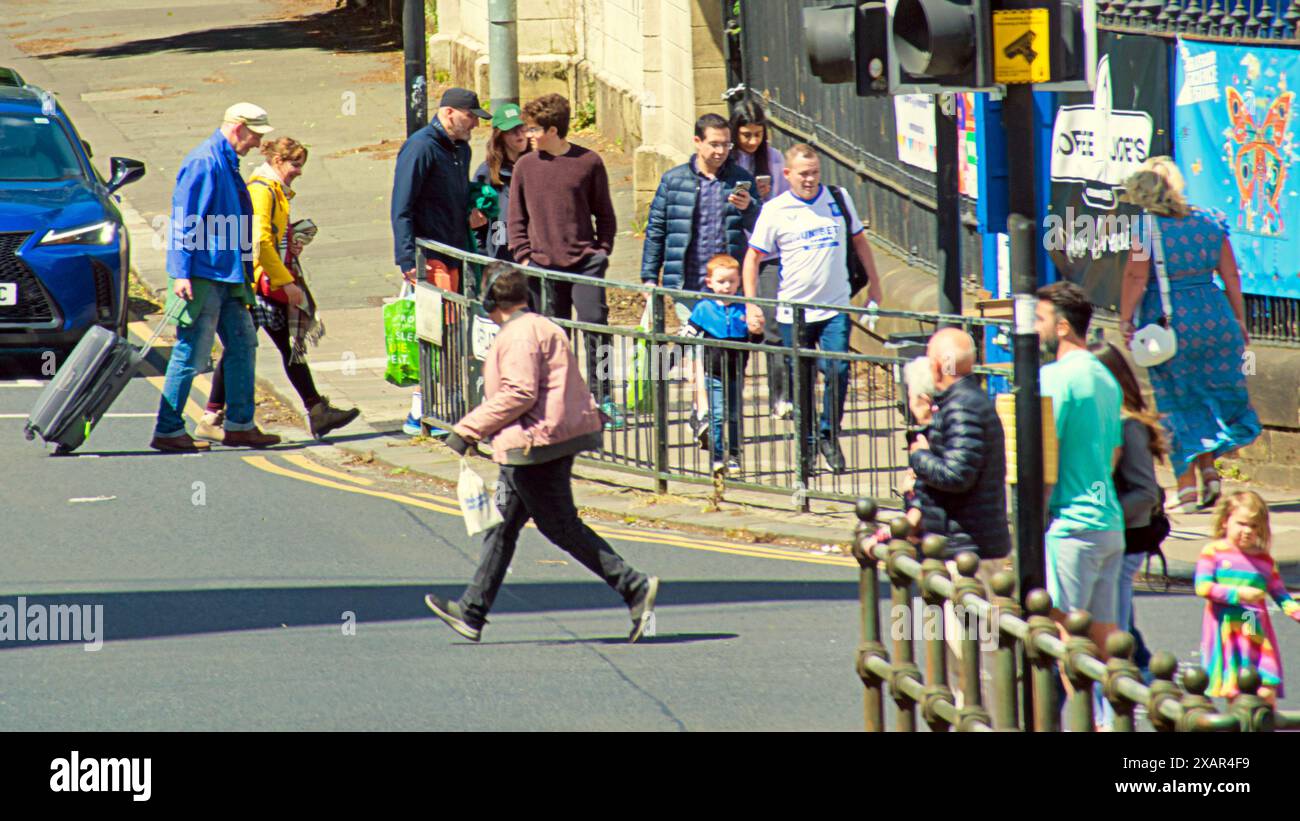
[1201,391]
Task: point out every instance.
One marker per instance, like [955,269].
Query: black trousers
[299,374]
[543,493]
[563,299]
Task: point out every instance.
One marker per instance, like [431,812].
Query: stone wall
[650,68]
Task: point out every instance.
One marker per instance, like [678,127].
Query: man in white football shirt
[811,233]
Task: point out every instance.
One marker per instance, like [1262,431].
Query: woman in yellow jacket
[270,189]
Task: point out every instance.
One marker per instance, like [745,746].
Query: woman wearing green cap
[506,145]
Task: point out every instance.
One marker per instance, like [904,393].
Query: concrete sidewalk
[154,93]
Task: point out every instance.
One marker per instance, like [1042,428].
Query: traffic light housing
[849,42]
[941,45]
[934,46]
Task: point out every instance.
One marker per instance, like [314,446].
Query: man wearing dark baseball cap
[431,193]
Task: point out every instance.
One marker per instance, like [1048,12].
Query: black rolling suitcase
[84,387]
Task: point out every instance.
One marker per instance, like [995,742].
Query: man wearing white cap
[210,263]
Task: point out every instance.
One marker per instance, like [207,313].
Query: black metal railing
[1236,20]
[966,699]
[652,380]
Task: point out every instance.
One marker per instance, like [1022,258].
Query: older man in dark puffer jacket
[960,463]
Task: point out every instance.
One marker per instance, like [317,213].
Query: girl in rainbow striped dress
[1237,575]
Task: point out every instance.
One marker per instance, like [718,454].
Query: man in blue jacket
[210,263]
[431,189]
[698,212]
[431,200]
[702,208]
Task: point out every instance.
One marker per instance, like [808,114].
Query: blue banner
[1235,143]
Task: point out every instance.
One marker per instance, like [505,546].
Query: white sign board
[1098,146]
[428,314]
[483,335]
[917,140]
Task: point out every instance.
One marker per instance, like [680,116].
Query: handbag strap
[1158,259]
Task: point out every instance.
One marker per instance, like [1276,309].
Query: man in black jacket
[960,463]
[961,472]
[431,188]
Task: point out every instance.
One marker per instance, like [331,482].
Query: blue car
[64,252]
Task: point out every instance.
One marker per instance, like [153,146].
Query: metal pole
[503,51]
[417,92]
[948,201]
[1028,502]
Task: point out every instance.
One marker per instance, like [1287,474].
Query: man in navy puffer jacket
[698,212]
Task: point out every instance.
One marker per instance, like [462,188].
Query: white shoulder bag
[1156,343]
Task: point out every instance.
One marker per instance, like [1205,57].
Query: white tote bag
[475,502]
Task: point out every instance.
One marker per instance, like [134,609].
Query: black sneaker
[643,609]
[834,456]
[451,613]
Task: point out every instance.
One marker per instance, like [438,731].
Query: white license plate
[8,293]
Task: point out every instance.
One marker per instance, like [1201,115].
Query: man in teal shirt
[1085,534]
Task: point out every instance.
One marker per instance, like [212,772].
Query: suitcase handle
[168,318]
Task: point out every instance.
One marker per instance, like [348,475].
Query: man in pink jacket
[539,415]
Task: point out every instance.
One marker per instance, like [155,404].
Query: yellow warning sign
[1021,46]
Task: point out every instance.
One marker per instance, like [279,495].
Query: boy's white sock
[417,405]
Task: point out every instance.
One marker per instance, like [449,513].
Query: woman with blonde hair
[1201,391]
[284,305]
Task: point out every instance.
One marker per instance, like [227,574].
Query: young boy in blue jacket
[722,370]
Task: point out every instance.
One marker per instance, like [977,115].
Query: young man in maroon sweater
[556,193]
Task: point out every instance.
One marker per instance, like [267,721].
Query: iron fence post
[1047,715]
[1120,646]
[934,632]
[1079,704]
[1255,713]
[1163,666]
[1195,703]
[873,704]
[802,474]
[657,320]
[900,597]
[972,708]
[1005,690]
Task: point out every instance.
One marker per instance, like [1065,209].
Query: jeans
[224,314]
[1132,563]
[543,493]
[828,335]
[726,394]
[563,299]
[298,372]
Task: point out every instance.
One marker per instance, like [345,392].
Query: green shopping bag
[403,348]
[640,391]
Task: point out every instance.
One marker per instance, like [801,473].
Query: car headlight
[101,233]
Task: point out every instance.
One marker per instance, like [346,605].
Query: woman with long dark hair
[1140,494]
[749,133]
[504,148]
[754,153]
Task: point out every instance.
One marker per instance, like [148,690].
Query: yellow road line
[308,464]
[754,551]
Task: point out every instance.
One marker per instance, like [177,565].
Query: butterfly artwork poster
[1235,141]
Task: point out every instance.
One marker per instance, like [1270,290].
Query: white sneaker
[782,410]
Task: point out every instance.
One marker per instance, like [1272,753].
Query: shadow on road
[167,613]
[344,30]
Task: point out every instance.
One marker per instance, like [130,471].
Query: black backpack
[857,274]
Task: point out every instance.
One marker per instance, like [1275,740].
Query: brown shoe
[250,439]
[178,444]
[324,417]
